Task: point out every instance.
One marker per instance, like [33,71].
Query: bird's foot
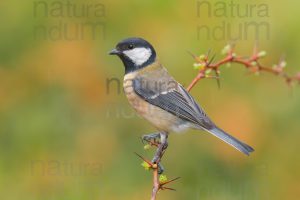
[152,139]
[160,151]
[160,141]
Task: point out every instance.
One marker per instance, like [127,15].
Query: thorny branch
[205,66]
[159,181]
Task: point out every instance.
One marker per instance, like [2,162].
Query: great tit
[159,98]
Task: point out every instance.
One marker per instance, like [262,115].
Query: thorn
[211,60]
[170,181]
[167,188]
[193,55]
[218,79]
[162,186]
[208,52]
[289,84]
[141,157]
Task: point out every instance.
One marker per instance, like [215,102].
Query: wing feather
[176,101]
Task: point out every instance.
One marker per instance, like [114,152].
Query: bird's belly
[161,119]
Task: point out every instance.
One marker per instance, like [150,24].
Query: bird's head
[135,53]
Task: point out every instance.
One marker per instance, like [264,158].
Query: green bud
[226,49]
[145,165]
[202,57]
[147,146]
[208,71]
[283,64]
[196,66]
[262,54]
[163,178]
[199,66]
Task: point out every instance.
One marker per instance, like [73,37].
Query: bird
[160,99]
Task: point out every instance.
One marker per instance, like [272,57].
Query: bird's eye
[130,46]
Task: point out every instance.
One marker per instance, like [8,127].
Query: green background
[64,136]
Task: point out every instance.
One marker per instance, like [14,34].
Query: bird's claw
[160,168]
[152,139]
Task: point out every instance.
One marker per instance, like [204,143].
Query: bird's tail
[242,147]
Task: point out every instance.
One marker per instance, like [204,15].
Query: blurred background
[67,131]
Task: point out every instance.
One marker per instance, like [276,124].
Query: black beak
[114,52]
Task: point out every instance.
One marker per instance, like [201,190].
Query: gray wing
[176,101]
[180,103]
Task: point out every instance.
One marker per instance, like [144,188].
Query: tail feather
[242,147]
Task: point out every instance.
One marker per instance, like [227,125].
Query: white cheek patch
[138,55]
